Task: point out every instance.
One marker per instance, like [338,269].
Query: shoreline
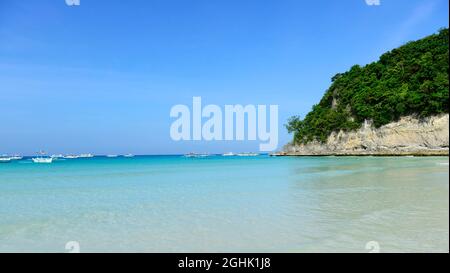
[418,154]
[409,136]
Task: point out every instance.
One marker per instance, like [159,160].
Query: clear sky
[102,77]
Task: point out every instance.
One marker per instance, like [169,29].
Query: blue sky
[102,77]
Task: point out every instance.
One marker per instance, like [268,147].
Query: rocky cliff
[408,136]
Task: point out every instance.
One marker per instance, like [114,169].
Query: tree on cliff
[409,80]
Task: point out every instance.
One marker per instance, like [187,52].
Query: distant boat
[16,157]
[77,156]
[247,154]
[228,154]
[42,158]
[45,160]
[195,155]
[71,156]
[111,156]
[55,157]
[85,156]
[5,160]
[128,155]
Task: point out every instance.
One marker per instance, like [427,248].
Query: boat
[128,155]
[85,156]
[195,155]
[247,154]
[112,156]
[5,160]
[228,154]
[42,158]
[71,156]
[16,157]
[45,160]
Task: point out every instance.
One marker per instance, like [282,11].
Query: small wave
[443,164]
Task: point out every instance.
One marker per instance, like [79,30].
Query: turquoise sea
[226,204]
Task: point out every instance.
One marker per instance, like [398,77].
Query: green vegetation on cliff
[412,79]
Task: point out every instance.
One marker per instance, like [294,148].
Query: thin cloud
[420,14]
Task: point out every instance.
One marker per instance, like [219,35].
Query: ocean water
[226,204]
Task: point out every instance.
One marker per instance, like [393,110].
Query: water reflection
[402,203]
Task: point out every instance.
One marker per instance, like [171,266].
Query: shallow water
[226,204]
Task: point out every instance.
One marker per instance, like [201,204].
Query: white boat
[128,155]
[112,156]
[85,156]
[42,158]
[228,154]
[71,157]
[196,155]
[247,154]
[16,157]
[5,160]
[45,160]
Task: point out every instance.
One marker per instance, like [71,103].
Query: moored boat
[5,160]
[195,155]
[45,160]
[71,157]
[247,154]
[42,158]
[85,156]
